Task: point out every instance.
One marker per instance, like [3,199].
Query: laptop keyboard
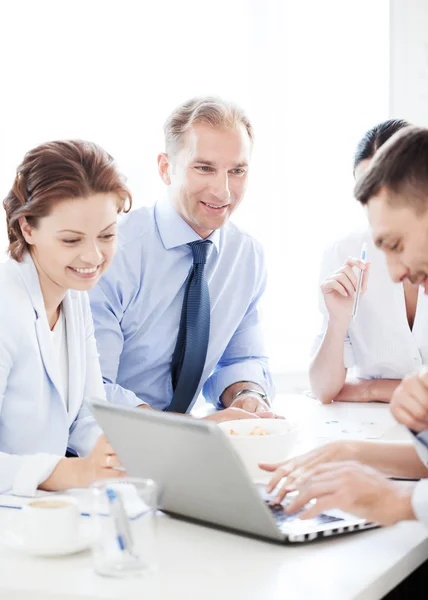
[282,518]
[297,530]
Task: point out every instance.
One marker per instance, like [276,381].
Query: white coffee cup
[51,521]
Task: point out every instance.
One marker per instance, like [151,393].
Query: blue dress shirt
[137,305]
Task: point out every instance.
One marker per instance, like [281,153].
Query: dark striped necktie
[188,359]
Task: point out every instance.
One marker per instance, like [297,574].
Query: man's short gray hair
[205,109]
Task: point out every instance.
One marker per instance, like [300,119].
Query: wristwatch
[262,395]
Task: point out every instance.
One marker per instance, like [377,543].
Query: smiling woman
[62,208]
[74,244]
[61,220]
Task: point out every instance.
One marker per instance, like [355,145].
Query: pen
[360,278]
[117,511]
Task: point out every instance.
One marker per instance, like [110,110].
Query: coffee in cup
[50,522]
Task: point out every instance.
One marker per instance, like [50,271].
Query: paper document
[134,506]
[349,420]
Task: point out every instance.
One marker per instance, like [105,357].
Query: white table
[199,562]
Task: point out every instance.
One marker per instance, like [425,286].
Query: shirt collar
[173,229]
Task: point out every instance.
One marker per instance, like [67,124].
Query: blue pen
[117,511]
[360,278]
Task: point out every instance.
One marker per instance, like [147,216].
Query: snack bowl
[260,441]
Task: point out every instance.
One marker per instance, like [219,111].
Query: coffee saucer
[14,538]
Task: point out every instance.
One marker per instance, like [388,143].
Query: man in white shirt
[395,193]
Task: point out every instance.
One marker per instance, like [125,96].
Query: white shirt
[379,342]
[59,339]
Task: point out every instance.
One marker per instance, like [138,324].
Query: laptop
[202,479]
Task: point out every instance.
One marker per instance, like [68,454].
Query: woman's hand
[101,463]
[291,470]
[339,289]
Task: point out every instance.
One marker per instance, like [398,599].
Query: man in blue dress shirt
[140,304]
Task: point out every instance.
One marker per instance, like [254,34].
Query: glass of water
[124,523]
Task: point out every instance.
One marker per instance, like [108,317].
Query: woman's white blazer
[36,426]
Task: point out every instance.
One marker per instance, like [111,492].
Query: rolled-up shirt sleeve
[250,369]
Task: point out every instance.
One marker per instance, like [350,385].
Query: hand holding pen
[359,289]
[342,288]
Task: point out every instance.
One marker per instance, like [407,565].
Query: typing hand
[290,470]
[353,488]
[409,403]
[339,288]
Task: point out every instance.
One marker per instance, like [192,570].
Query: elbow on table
[325,398]
[320,393]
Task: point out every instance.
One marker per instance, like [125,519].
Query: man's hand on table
[233,413]
[254,405]
[249,397]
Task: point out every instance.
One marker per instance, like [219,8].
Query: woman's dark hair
[58,171]
[375,138]
[401,169]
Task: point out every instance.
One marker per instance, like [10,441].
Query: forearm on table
[327,372]
[395,459]
[65,475]
[382,389]
[368,390]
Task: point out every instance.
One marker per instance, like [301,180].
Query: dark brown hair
[400,166]
[58,171]
[375,137]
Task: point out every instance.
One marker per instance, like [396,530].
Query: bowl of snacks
[260,441]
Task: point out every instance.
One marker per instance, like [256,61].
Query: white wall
[312,75]
[409,60]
